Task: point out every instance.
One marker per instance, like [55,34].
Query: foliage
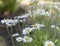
[7,5]
[39,28]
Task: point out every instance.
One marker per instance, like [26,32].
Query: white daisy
[24,20]
[27,39]
[37,26]
[26,30]
[53,26]
[3,21]
[49,43]
[19,39]
[22,16]
[15,21]
[16,34]
[6,21]
[48,14]
[9,22]
[57,28]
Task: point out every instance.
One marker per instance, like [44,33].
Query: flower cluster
[53,26]
[26,32]
[24,39]
[41,12]
[17,19]
[37,26]
[37,34]
[34,26]
[9,22]
[23,18]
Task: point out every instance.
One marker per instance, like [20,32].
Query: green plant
[7,5]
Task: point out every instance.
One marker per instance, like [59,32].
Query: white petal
[16,34]
[2,21]
[18,39]
[53,26]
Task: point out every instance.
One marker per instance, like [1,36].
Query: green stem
[12,37]
[20,43]
[8,31]
[26,44]
[19,28]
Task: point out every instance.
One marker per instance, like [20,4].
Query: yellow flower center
[19,39]
[27,38]
[49,44]
[6,20]
[28,30]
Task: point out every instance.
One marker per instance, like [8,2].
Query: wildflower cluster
[41,31]
[26,32]
[17,19]
[25,38]
[9,22]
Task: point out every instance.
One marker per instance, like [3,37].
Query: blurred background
[41,11]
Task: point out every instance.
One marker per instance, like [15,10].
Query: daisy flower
[15,21]
[48,14]
[53,26]
[49,43]
[37,26]
[19,39]
[9,22]
[24,20]
[57,28]
[26,30]
[27,39]
[6,21]
[22,16]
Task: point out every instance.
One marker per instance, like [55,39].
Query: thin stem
[8,31]
[20,43]
[26,44]
[12,37]
[19,28]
